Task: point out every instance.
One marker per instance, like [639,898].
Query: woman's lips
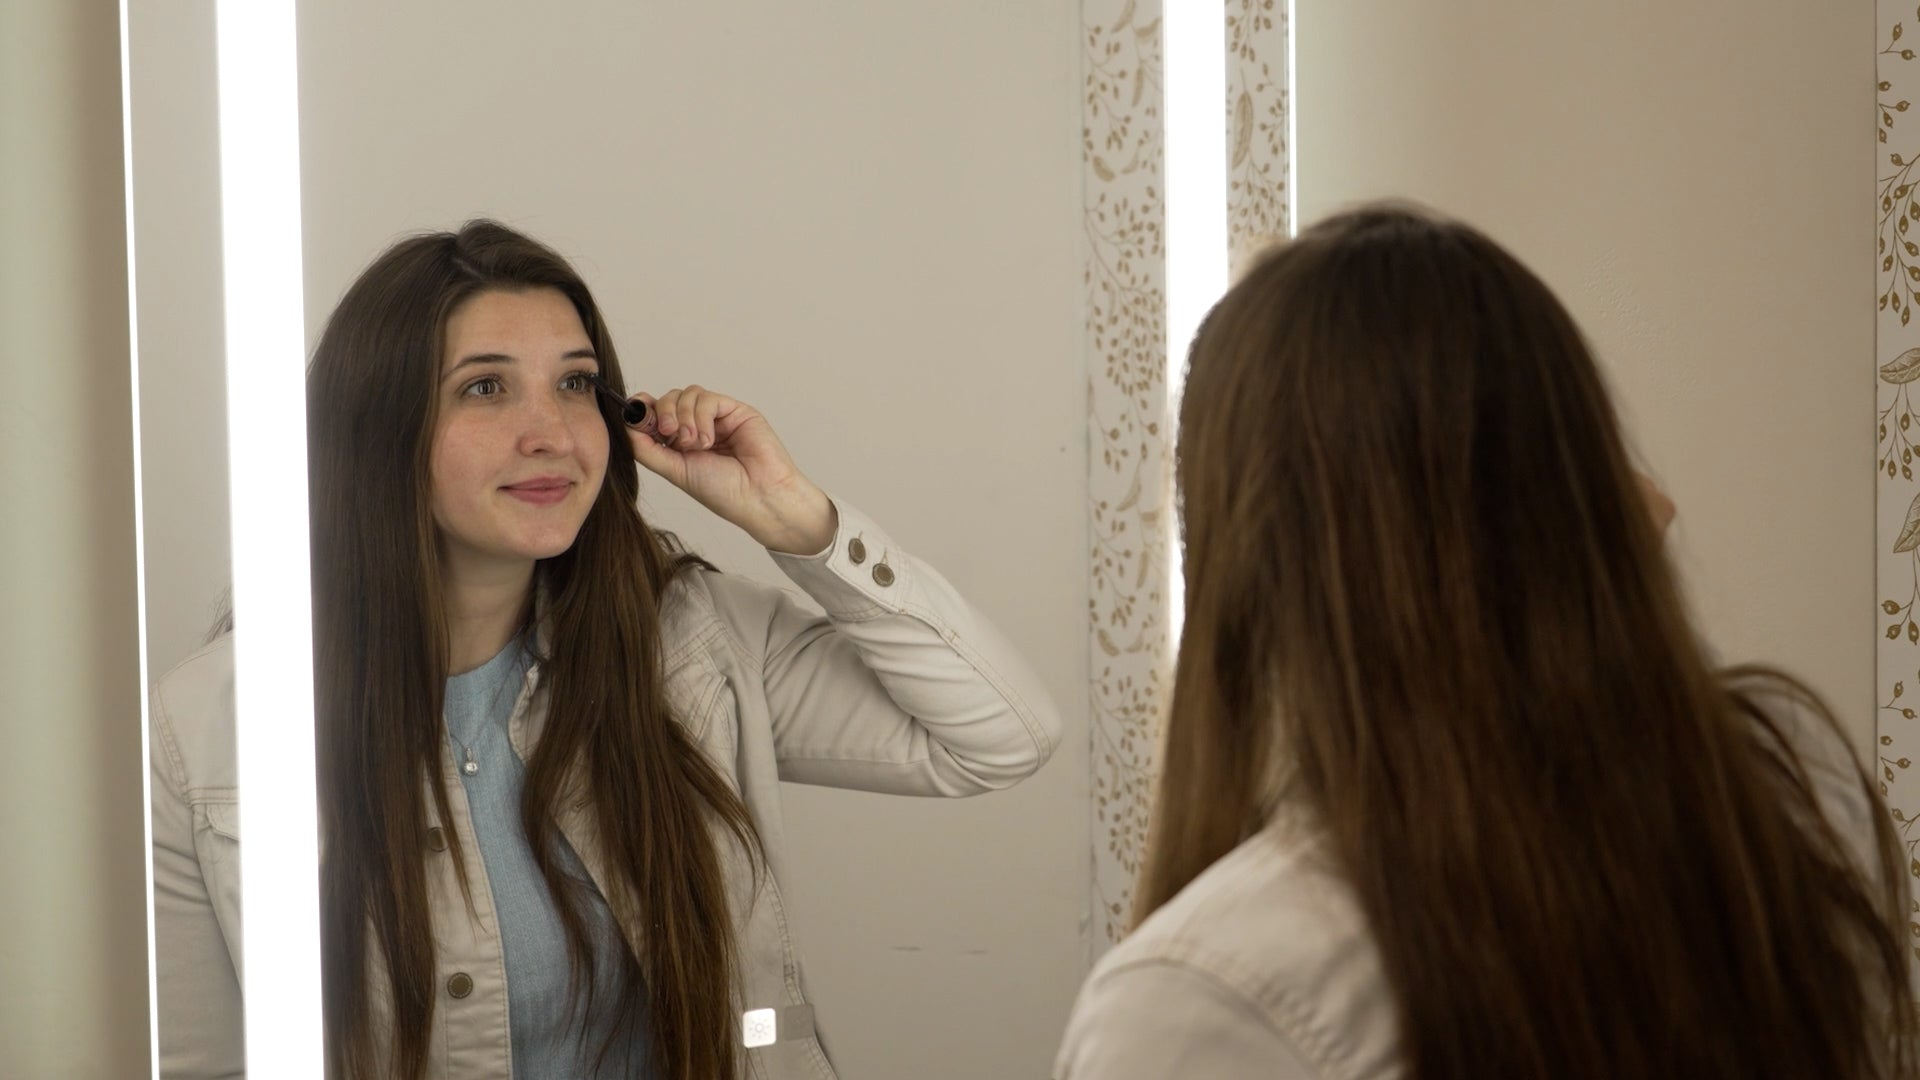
[545,491]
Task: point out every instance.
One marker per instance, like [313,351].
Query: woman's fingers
[706,405]
[666,416]
[687,411]
[686,418]
[722,452]
[677,417]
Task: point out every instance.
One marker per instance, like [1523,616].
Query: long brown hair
[1426,606]
[381,664]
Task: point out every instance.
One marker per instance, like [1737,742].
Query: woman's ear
[1658,504]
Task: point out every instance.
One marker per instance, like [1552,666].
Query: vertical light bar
[139,532]
[1195,50]
[267,453]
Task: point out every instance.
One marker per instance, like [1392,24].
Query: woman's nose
[545,427]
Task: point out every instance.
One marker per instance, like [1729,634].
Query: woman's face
[519,446]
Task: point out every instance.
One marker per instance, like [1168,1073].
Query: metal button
[437,838]
[883,574]
[460,985]
[856,551]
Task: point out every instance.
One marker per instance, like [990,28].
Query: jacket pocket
[216,843]
[216,833]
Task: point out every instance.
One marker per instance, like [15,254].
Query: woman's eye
[486,387]
[579,380]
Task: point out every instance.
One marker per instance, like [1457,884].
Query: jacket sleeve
[198,995]
[1160,1020]
[1843,791]
[901,686]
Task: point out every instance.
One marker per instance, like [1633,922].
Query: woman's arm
[901,686]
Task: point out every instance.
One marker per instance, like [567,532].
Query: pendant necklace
[471,767]
[468,765]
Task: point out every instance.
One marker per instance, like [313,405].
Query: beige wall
[828,211]
[1694,180]
[73,984]
[183,404]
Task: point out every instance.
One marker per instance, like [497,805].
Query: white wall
[1695,181]
[73,987]
[864,219]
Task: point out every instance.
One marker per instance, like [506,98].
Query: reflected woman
[550,741]
[1450,787]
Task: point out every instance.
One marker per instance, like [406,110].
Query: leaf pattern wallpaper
[1897,366]
[1129,486]
[1130,496]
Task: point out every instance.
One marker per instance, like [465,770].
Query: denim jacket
[900,687]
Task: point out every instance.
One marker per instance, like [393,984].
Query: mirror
[793,207]
[838,216]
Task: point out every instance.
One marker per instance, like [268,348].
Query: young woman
[549,741]
[1450,787]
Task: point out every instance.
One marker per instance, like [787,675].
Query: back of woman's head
[1427,605]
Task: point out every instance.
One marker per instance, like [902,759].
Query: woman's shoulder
[1800,718]
[693,612]
[1788,716]
[191,715]
[705,605]
[1275,926]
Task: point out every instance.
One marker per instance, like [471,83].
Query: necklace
[468,765]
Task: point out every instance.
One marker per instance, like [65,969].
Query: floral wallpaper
[1129,491]
[1897,365]
[1132,527]
[1257,106]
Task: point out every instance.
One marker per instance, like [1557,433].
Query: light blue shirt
[548,1040]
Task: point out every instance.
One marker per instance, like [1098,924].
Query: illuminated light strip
[267,454]
[139,535]
[1195,50]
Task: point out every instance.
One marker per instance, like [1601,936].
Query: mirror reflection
[626,656]
[797,275]
[550,740]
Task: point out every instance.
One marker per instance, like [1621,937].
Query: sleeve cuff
[861,574]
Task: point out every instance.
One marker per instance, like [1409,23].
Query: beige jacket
[1263,966]
[901,687]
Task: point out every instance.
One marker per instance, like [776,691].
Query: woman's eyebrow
[503,358]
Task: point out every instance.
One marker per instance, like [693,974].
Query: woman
[1450,787]
[549,742]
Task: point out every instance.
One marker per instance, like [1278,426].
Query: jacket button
[437,838]
[856,551]
[883,574]
[460,985]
